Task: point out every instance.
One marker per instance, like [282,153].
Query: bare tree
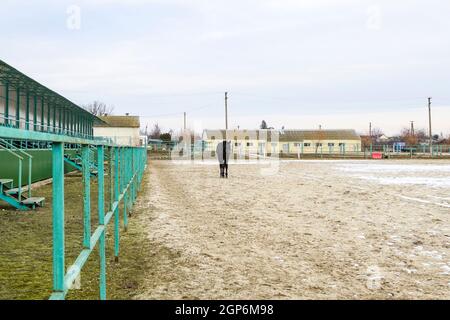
[409,138]
[99,108]
[155,133]
[377,132]
[421,135]
[366,141]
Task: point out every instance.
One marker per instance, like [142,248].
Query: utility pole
[370,130]
[412,129]
[429,122]
[185,121]
[226,110]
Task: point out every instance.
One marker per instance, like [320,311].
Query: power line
[174,95]
[176,113]
[291,98]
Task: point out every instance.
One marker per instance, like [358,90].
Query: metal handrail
[15,148]
[20,169]
[9,150]
[30,163]
[13,122]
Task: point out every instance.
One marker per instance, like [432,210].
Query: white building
[285,141]
[124,130]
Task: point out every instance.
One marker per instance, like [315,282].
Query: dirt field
[318,229]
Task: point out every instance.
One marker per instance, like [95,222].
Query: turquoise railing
[126,168]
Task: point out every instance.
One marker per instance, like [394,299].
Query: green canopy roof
[18,80]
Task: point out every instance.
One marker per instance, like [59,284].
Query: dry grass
[26,255]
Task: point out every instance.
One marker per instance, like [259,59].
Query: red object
[377,155]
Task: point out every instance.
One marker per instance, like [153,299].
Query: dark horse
[223,152]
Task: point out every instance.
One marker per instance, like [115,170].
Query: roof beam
[14,133]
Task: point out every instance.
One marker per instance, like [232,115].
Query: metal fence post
[101,219]
[30,166]
[86,196]
[111,180]
[116,198]
[20,180]
[126,173]
[133,177]
[58,216]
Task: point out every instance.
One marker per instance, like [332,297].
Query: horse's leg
[226,170]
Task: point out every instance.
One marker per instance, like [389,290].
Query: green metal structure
[33,108]
[26,104]
[67,133]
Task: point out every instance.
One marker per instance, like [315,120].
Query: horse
[223,153]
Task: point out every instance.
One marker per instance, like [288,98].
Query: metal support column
[133,182]
[58,217]
[42,114]
[35,113]
[48,116]
[17,108]
[6,121]
[63,121]
[19,183]
[111,178]
[27,115]
[54,118]
[125,172]
[86,196]
[116,199]
[101,219]
[71,124]
[59,119]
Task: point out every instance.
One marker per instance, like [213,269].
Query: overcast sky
[294,63]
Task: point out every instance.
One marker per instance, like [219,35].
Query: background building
[123,130]
[246,142]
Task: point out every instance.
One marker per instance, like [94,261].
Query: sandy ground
[310,230]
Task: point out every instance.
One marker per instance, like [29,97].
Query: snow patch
[394,168]
[428,181]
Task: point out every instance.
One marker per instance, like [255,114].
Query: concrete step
[12,191]
[6,181]
[34,201]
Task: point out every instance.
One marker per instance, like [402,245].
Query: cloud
[317,54]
